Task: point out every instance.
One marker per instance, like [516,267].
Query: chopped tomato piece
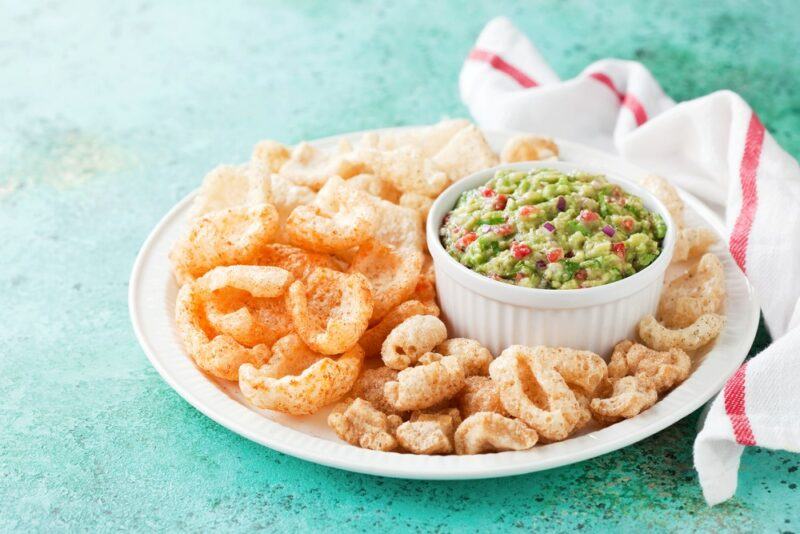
[580,275]
[520,250]
[619,249]
[487,192]
[504,229]
[527,211]
[589,216]
[500,202]
[464,241]
[627,224]
[555,255]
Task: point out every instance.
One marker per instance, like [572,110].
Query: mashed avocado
[551,230]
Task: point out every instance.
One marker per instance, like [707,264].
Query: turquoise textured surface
[110,112]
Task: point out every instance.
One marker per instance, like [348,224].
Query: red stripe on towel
[735,408]
[747,175]
[498,63]
[627,100]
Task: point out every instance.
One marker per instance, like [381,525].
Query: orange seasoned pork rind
[286,196]
[406,169]
[330,310]
[628,399]
[326,381]
[311,167]
[429,433]
[229,186]
[271,154]
[417,388]
[491,432]
[466,153]
[312,228]
[474,357]
[480,394]
[667,194]
[375,186]
[699,291]
[411,339]
[657,336]
[427,139]
[369,386]
[297,261]
[360,424]
[526,147]
[229,236]
[217,354]
[373,339]
[691,242]
[392,274]
[657,370]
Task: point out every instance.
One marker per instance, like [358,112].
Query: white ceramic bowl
[499,314]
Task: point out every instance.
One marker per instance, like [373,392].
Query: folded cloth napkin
[714,147]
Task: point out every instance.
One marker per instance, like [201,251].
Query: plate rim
[427,467]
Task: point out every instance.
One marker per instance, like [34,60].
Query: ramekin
[499,314]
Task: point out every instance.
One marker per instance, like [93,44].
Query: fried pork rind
[330,310]
[369,386]
[421,387]
[479,394]
[311,167]
[297,261]
[428,139]
[660,371]
[290,356]
[582,370]
[270,154]
[372,340]
[360,424]
[491,432]
[392,274]
[375,186]
[667,194]
[692,242]
[406,169]
[702,331]
[628,399]
[229,236]
[466,153]
[419,203]
[229,186]
[526,147]
[411,339]
[427,433]
[699,291]
[474,357]
[219,355]
[326,381]
[532,390]
[286,196]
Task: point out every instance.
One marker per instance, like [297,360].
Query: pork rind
[419,203]
[474,357]
[533,391]
[406,169]
[628,399]
[372,340]
[582,370]
[466,153]
[417,388]
[219,355]
[491,432]
[271,154]
[660,371]
[657,336]
[286,196]
[297,261]
[369,386]
[324,382]
[526,147]
[290,356]
[667,194]
[699,291]
[360,424]
[330,310]
[375,186]
[692,242]
[428,139]
[311,167]
[479,394]
[392,274]
[429,433]
[411,339]
[228,186]
[229,236]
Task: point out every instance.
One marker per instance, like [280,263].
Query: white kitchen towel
[714,147]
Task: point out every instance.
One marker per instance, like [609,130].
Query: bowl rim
[537,297]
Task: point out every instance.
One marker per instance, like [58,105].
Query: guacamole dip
[551,230]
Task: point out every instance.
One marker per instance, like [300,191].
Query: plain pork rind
[692,242]
[228,186]
[411,339]
[657,370]
[326,381]
[699,291]
[286,196]
[375,186]
[628,399]
[474,357]
[271,154]
[369,386]
[360,424]
[480,394]
[429,433]
[330,310]
[526,147]
[373,338]
[419,203]
[581,369]
[667,194]
[421,387]
[491,432]
[466,153]
[657,336]
[406,168]
[428,139]
[312,167]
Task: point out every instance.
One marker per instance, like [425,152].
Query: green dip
[551,230]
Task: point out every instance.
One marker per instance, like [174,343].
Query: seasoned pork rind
[290,356]
[428,139]
[406,169]
[360,424]
[297,261]
[311,167]
[228,186]
[417,388]
[653,369]
[369,386]
[286,196]
[411,339]
[479,394]
[474,357]
[526,147]
[466,153]
[271,154]
[691,242]
[582,370]
[228,236]
[667,194]
[699,291]
[392,274]
[657,336]
[326,381]
[419,203]
[330,310]
[628,399]
[491,432]
[429,433]
[217,354]
[375,186]
[372,340]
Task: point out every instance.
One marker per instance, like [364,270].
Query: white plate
[152,295]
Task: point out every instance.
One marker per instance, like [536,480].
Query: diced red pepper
[464,241]
[520,250]
[487,192]
[555,255]
[619,249]
[527,211]
[589,216]
[504,229]
[500,202]
[627,224]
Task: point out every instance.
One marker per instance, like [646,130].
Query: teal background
[112,111]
